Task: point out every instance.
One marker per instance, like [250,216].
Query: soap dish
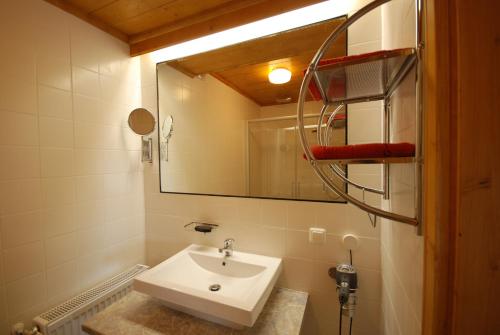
[201,227]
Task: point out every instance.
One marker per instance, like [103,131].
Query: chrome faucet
[228,247]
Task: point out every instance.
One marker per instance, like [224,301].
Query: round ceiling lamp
[279,75]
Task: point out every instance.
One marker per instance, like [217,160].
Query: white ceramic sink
[183,282]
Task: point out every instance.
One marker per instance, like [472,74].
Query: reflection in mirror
[276,166]
[165,134]
[235,132]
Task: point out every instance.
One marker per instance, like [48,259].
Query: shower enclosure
[275,164]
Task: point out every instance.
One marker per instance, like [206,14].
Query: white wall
[71,183]
[207,151]
[402,249]
[280,228]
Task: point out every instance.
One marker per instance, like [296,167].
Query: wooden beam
[67,7]
[213,23]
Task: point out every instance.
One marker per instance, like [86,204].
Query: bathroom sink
[229,290]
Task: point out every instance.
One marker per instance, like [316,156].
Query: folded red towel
[370,150]
[400,149]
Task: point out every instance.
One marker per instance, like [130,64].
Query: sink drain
[214,287]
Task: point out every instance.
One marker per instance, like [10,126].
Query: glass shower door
[276,166]
[271,155]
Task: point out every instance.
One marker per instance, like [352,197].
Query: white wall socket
[317,235]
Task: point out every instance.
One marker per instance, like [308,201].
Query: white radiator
[67,318]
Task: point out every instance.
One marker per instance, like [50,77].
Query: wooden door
[462,167]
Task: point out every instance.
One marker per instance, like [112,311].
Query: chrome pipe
[340,29]
[387,139]
[336,169]
[368,208]
[331,118]
[375,97]
[419,119]
[318,129]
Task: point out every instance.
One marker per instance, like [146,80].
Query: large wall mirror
[225,129]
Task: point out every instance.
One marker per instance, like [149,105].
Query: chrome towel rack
[369,77]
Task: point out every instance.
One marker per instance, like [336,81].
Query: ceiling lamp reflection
[279,75]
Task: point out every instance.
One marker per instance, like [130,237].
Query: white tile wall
[280,228]
[402,249]
[72,192]
[71,182]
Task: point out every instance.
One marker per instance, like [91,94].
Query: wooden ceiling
[245,66]
[148,25]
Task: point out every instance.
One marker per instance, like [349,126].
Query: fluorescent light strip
[274,24]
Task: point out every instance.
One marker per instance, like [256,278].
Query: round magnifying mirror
[141,121]
[167,127]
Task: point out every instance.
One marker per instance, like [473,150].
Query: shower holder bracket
[147,149]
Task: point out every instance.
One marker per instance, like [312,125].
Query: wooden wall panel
[477,279]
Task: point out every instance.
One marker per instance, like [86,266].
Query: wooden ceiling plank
[90,5]
[205,15]
[66,6]
[122,10]
[226,21]
[167,19]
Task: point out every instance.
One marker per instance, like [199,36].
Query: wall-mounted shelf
[359,78]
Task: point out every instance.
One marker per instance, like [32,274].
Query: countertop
[138,313]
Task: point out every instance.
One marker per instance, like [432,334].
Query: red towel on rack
[370,150]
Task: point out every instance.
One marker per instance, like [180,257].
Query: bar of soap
[203,228]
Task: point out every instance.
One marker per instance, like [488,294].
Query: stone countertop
[138,313]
